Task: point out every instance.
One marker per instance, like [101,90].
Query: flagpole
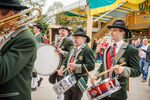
[89,24]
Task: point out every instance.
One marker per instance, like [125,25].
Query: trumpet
[22,20]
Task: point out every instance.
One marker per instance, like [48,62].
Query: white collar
[62,37]
[79,46]
[119,43]
[37,34]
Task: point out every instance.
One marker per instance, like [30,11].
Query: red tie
[58,43]
[72,58]
[114,47]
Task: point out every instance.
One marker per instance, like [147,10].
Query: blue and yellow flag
[100,6]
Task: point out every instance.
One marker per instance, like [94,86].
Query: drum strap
[59,42]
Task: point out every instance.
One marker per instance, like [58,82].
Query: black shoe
[33,89]
[39,82]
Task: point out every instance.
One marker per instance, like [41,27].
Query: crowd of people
[144,55]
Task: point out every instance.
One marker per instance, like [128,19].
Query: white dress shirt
[79,47]
[118,46]
[37,34]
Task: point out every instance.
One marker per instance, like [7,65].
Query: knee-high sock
[60,97]
[34,82]
[38,77]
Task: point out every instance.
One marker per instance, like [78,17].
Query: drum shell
[103,89]
[65,84]
[46,58]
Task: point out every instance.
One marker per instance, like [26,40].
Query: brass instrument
[22,20]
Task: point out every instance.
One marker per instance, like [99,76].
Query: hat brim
[38,27]
[13,6]
[87,38]
[65,28]
[128,33]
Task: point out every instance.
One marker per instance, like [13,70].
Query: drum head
[47,57]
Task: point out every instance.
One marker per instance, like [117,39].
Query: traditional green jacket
[126,54]
[39,39]
[85,56]
[65,45]
[16,64]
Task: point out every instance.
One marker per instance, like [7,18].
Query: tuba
[22,20]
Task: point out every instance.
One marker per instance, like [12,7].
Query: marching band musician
[84,55]
[37,28]
[63,45]
[17,56]
[122,52]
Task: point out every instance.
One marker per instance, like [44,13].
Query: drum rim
[60,56]
[66,77]
[105,80]
[101,82]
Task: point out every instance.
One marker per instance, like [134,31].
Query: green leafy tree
[38,4]
[75,23]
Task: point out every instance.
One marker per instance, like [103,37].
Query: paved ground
[138,90]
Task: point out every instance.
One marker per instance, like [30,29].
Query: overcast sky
[64,2]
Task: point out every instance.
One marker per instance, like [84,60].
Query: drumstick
[102,73]
[87,71]
[68,67]
[54,68]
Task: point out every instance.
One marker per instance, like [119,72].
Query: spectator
[98,50]
[70,36]
[46,40]
[104,44]
[144,59]
[132,43]
[94,44]
[137,44]
[140,42]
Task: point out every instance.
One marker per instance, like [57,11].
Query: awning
[100,6]
[79,9]
[119,12]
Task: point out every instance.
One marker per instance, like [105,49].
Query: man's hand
[72,66]
[59,50]
[93,79]
[141,49]
[60,72]
[118,69]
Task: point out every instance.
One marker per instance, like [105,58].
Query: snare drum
[47,57]
[103,89]
[65,84]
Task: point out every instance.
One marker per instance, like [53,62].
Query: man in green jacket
[39,40]
[84,55]
[37,30]
[122,52]
[17,56]
[63,45]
